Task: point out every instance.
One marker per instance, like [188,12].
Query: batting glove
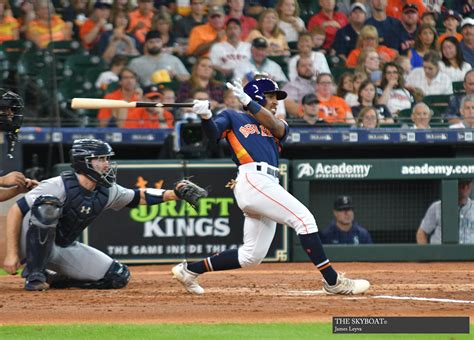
[239,92]
[201,107]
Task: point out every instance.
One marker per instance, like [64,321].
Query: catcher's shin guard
[40,236]
[116,277]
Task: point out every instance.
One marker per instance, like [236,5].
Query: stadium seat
[437,103]
[76,65]
[458,87]
[404,116]
[282,61]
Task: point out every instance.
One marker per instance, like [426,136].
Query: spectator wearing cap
[197,16]
[204,36]
[395,7]
[430,17]
[256,7]
[128,90]
[310,108]
[236,11]
[155,66]
[259,63]
[451,21]
[346,37]
[96,24]
[464,7]
[343,229]
[305,50]
[226,55]
[388,28]
[467,44]
[303,83]
[467,113]
[150,117]
[268,29]
[141,20]
[290,22]
[329,19]
[430,230]
[409,19]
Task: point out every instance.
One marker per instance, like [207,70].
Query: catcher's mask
[257,89]
[11,117]
[84,151]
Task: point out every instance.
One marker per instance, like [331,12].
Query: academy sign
[333,170]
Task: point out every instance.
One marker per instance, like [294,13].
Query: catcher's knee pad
[45,214]
[46,211]
[116,277]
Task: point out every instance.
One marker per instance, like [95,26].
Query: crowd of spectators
[341,62]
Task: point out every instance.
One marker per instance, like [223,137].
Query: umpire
[43,225]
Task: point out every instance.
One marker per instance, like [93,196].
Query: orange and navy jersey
[249,140]
[9,28]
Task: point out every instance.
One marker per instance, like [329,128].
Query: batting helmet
[257,89]
[84,151]
[11,111]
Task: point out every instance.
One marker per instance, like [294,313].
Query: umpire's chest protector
[80,208]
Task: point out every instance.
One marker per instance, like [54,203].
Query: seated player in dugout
[42,227]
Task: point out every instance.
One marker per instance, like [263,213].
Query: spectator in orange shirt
[332,109]
[150,117]
[141,20]
[45,27]
[128,90]
[96,24]
[395,7]
[204,36]
[451,21]
[9,26]
[369,39]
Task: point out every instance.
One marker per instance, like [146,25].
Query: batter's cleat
[36,282]
[346,286]
[187,278]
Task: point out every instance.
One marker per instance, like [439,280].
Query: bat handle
[180,105]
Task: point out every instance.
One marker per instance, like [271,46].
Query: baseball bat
[94,103]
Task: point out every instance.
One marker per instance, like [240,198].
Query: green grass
[200,331]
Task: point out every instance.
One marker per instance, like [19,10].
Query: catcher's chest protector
[80,208]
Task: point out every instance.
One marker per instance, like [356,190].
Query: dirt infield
[267,293]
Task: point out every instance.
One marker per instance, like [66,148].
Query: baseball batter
[43,225]
[255,139]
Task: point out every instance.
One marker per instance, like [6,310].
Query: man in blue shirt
[343,229]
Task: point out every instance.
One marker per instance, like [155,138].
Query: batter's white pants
[265,203]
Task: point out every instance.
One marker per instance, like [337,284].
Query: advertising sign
[174,230]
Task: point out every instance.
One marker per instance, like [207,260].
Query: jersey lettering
[265,131]
[249,129]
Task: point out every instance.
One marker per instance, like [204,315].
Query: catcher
[42,227]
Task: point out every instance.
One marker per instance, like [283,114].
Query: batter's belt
[260,167]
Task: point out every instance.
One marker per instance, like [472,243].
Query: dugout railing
[390,198]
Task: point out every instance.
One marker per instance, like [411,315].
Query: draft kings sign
[174,230]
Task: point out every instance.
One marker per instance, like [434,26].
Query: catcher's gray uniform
[77,261]
[431,223]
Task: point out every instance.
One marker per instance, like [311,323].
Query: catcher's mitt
[190,192]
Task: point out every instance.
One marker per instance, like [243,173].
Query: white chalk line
[320,292]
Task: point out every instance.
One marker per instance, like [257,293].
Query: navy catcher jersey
[249,140]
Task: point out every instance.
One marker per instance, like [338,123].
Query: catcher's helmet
[257,89]
[11,111]
[84,151]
